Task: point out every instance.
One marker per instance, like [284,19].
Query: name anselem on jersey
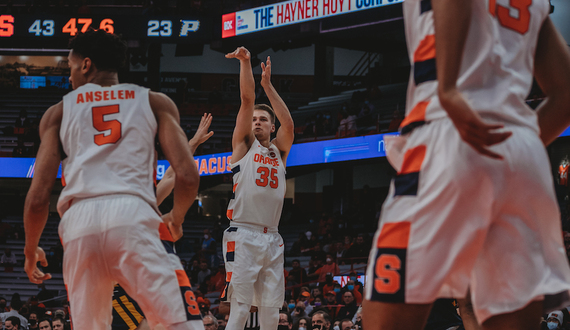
[105,96]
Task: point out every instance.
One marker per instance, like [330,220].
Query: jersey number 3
[264,178]
[110,125]
[503,13]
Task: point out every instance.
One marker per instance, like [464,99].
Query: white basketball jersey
[108,136]
[497,66]
[258,187]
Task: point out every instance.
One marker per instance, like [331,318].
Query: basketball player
[127,314]
[109,217]
[253,249]
[473,205]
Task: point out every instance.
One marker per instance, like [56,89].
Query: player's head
[95,51]
[263,121]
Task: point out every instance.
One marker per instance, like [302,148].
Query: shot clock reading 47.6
[27,26]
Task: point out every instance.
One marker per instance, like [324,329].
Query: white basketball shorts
[115,239]
[455,219]
[254,265]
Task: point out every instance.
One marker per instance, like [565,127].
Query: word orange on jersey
[265,160]
[105,96]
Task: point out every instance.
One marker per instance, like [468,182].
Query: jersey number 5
[503,13]
[264,178]
[101,125]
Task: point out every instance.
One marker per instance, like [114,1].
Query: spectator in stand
[204,306]
[12,323]
[305,298]
[347,126]
[292,288]
[355,293]
[209,248]
[321,321]
[314,265]
[346,324]
[316,292]
[218,281]
[330,267]
[307,248]
[45,294]
[303,323]
[318,253]
[347,242]
[45,324]
[300,243]
[20,150]
[349,308]
[359,250]
[210,322]
[8,260]
[3,305]
[328,284]
[194,270]
[300,311]
[554,320]
[5,229]
[396,121]
[22,123]
[204,272]
[298,273]
[339,252]
[331,304]
[357,284]
[328,128]
[58,323]
[285,321]
[13,311]
[33,320]
[291,306]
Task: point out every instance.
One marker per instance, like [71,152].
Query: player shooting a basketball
[253,249]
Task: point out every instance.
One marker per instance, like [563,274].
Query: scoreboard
[46,27]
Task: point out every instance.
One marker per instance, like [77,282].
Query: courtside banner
[329,151]
[292,12]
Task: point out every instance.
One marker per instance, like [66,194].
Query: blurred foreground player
[473,204]
[110,221]
[127,314]
[253,249]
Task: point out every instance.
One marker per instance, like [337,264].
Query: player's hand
[471,127]
[241,53]
[266,72]
[174,229]
[253,309]
[35,275]
[202,135]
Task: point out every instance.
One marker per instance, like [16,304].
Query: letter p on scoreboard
[228,25]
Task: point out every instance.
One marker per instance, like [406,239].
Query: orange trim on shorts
[234,188]
[394,235]
[183,280]
[418,114]
[228,276]
[413,160]
[164,233]
[63,179]
[231,246]
[426,49]
[230,214]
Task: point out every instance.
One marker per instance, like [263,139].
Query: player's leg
[467,313]
[394,316]
[239,312]
[140,264]
[84,269]
[527,318]
[243,256]
[268,318]
[271,282]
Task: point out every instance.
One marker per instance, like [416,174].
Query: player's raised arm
[36,207]
[165,186]
[552,72]
[452,19]
[286,133]
[243,137]
[175,147]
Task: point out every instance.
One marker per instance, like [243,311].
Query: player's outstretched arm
[552,72]
[243,137]
[452,19]
[165,186]
[286,133]
[36,207]
[175,147]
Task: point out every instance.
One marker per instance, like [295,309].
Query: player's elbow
[189,178]
[36,202]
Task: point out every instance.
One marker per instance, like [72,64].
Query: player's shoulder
[53,114]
